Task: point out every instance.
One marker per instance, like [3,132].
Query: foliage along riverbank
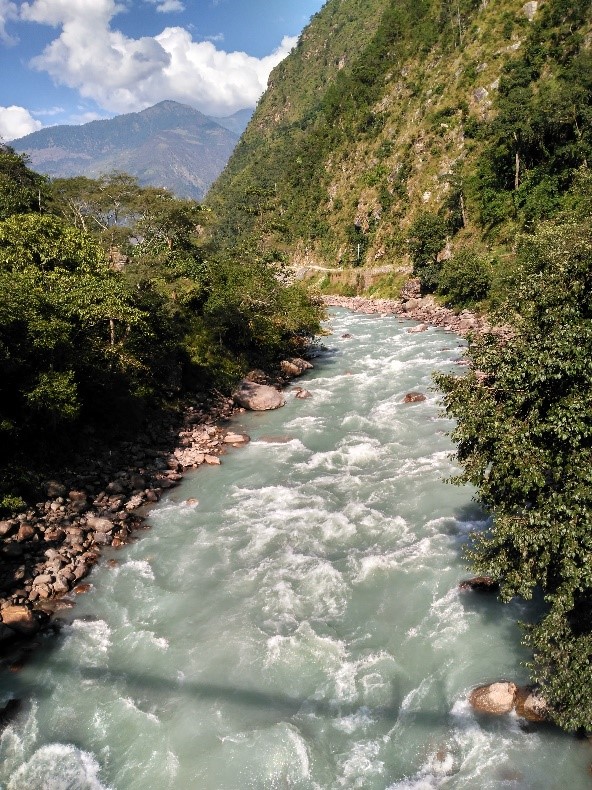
[111,308]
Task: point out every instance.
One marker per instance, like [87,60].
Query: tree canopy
[524,438]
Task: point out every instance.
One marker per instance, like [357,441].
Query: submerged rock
[258,397]
[496,698]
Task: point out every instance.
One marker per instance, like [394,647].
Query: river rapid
[301,627]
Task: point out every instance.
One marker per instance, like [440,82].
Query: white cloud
[167,6]
[124,74]
[8,13]
[16,122]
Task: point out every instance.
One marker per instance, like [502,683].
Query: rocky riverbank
[47,550]
[413,306]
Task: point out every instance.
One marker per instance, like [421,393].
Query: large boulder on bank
[20,619]
[494,698]
[258,397]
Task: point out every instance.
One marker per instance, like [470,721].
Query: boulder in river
[414,397]
[494,698]
[258,397]
[531,705]
[294,367]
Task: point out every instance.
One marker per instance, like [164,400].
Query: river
[301,627]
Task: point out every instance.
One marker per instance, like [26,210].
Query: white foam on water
[295,587]
[420,467]
[130,705]
[141,568]
[355,453]
[444,622]
[90,641]
[410,557]
[361,720]
[306,422]
[141,638]
[58,767]
[360,765]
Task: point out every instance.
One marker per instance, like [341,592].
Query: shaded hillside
[170,145]
[474,114]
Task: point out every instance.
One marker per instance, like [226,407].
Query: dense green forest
[109,306]
[453,140]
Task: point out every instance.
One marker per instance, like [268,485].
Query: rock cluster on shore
[414,307]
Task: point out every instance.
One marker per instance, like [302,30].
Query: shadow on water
[280,706]
[18,689]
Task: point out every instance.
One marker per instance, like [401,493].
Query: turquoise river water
[301,627]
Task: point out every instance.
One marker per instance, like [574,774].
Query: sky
[74,61]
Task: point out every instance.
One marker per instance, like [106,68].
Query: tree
[524,440]
[427,236]
[21,189]
[464,278]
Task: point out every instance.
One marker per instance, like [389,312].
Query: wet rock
[81,589]
[294,367]
[236,438]
[419,328]
[192,502]
[212,460]
[484,584]
[494,698]
[347,336]
[530,705]
[303,394]
[414,397]
[258,397]
[20,618]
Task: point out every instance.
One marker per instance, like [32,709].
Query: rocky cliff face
[389,111]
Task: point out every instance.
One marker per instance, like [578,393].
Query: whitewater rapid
[301,626]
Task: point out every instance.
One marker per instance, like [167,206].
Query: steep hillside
[461,121]
[170,145]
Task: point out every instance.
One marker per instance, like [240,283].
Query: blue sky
[71,61]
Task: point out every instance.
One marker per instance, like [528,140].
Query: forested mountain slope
[468,118]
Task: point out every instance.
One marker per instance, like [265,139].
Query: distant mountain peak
[169,145]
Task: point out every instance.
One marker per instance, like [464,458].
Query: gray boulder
[258,397]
